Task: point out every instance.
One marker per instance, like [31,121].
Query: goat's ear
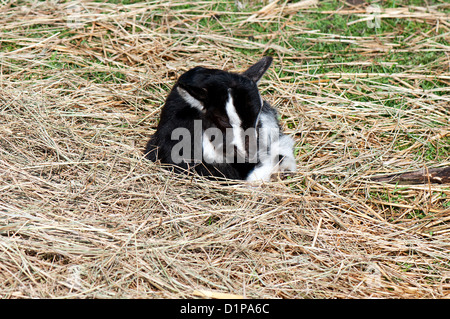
[193,84]
[257,70]
[197,92]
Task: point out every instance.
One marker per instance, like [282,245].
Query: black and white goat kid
[216,124]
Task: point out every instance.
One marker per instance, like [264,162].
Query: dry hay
[83,215]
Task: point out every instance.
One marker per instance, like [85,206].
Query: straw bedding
[83,215]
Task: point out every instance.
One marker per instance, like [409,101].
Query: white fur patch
[270,164]
[272,146]
[261,172]
[210,153]
[269,128]
[193,102]
[284,147]
[235,122]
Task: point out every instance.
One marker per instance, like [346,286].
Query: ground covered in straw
[364,90]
